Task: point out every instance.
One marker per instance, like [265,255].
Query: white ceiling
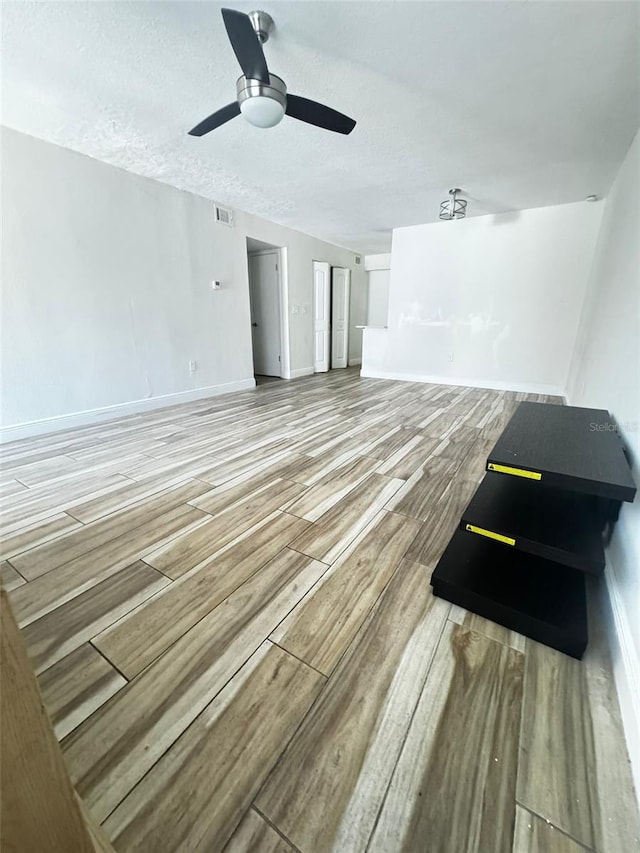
[521,104]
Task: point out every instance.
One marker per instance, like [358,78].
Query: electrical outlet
[193,366]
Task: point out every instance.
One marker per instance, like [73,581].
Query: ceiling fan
[262,97]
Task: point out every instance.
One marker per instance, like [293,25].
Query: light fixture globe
[262,105]
[262,111]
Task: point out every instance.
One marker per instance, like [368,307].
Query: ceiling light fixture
[453,208]
[262,105]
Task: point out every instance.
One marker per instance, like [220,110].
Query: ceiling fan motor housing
[262,105]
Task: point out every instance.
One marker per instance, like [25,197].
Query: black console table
[535,526]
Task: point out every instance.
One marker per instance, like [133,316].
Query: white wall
[377,262]
[105,288]
[492,301]
[378,297]
[605,374]
[378,269]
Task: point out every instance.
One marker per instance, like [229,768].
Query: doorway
[266,299]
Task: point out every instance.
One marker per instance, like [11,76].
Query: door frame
[283,294]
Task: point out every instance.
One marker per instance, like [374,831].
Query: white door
[340,288]
[321,309]
[264,292]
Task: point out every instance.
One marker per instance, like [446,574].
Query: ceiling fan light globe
[262,111]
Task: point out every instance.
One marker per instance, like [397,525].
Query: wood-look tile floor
[228,607]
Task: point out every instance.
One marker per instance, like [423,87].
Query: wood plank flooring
[228,607]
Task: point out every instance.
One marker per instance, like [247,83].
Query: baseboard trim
[527,388]
[301,371]
[626,670]
[355,362]
[92,416]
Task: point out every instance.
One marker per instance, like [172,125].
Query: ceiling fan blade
[216,119]
[246,45]
[315,113]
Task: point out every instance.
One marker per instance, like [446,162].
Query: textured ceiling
[521,104]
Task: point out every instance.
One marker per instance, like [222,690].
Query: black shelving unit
[554,483]
[568,447]
[551,523]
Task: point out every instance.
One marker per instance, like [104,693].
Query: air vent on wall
[358,260]
[224,216]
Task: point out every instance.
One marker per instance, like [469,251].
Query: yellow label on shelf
[490,534]
[516,472]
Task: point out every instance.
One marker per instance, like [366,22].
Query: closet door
[321,316]
[340,290]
